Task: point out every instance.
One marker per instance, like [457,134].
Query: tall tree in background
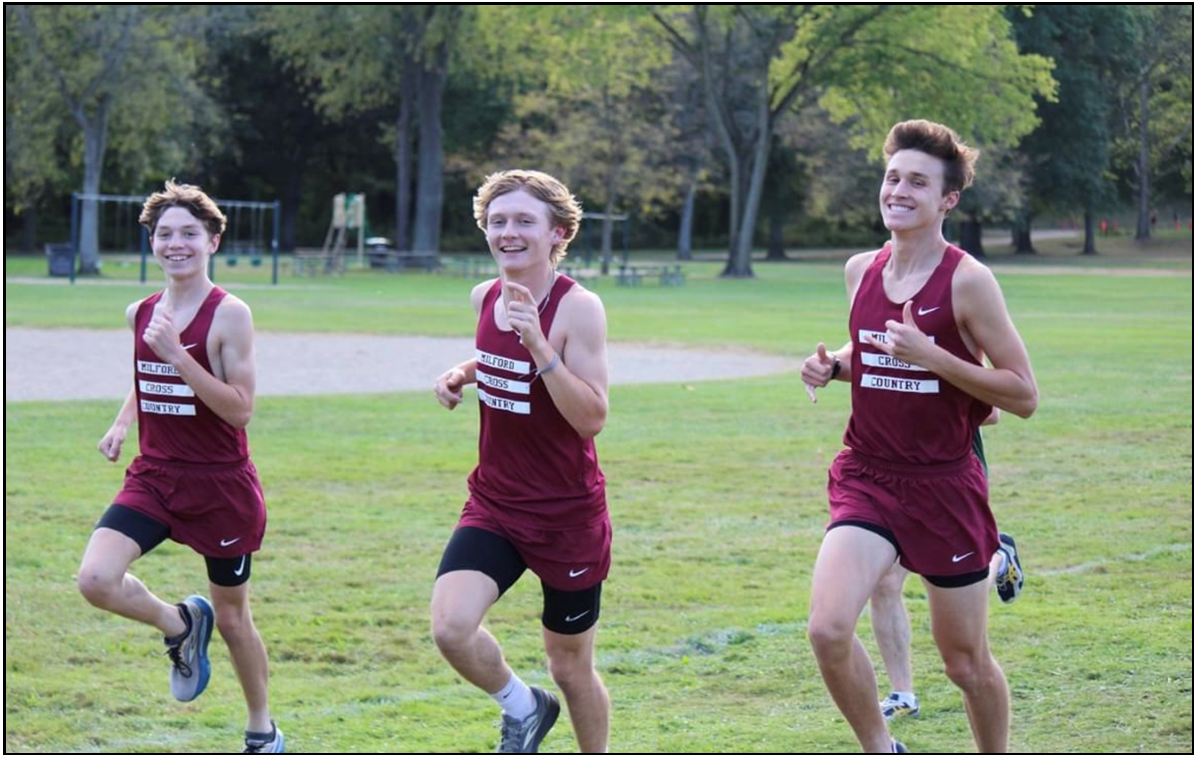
[595,115]
[125,75]
[784,185]
[837,183]
[276,133]
[998,196]
[692,148]
[869,66]
[362,57]
[33,134]
[1157,99]
[1067,157]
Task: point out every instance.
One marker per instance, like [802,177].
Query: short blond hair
[565,211]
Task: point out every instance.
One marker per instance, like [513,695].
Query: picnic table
[669,275]
[401,260]
[479,267]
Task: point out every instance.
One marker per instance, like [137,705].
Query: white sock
[516,699]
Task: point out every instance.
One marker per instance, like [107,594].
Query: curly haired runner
[537,497]
[193,396]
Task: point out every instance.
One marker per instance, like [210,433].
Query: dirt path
[84,364]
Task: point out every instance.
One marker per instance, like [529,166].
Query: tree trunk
[733,217]
[739,263]
[1022,241]
[430,192]
[723,128]
[95,143]
[607,232]
[1090,247]
[403,158]
[685,235]
[1022,233]
[970,236]
[29,229]
[777,237]
[292,176]
[290,206]
[1143,225]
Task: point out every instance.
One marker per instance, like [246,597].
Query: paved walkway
[84,364]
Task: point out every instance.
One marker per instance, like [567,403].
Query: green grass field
[717,495]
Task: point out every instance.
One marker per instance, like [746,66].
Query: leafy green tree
[595,116]
[33,134]
[124,75]
[784,184]
[1156,100]
[1067,156]
[691,148]
[363,57]
[277,140]
[998,195]
[868,65]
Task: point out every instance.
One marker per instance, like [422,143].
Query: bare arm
[577,381]
[229,389]
[578,385]
[1009,383]
[817,370]
[448,386]
[112,441]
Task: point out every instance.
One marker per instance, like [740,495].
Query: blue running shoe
[189,651]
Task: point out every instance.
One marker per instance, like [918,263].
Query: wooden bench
[669,275]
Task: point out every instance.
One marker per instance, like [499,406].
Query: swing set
[251,232]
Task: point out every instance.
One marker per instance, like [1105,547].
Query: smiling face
[181,242]
[519,233]
[912,195]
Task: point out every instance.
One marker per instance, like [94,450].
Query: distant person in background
[192,398]
[891,622]
[909,488]
[537,499]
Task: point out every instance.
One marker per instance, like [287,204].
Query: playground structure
[118,232]
[348,215]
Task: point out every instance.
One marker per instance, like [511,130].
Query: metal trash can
[61,258]
[379,251]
